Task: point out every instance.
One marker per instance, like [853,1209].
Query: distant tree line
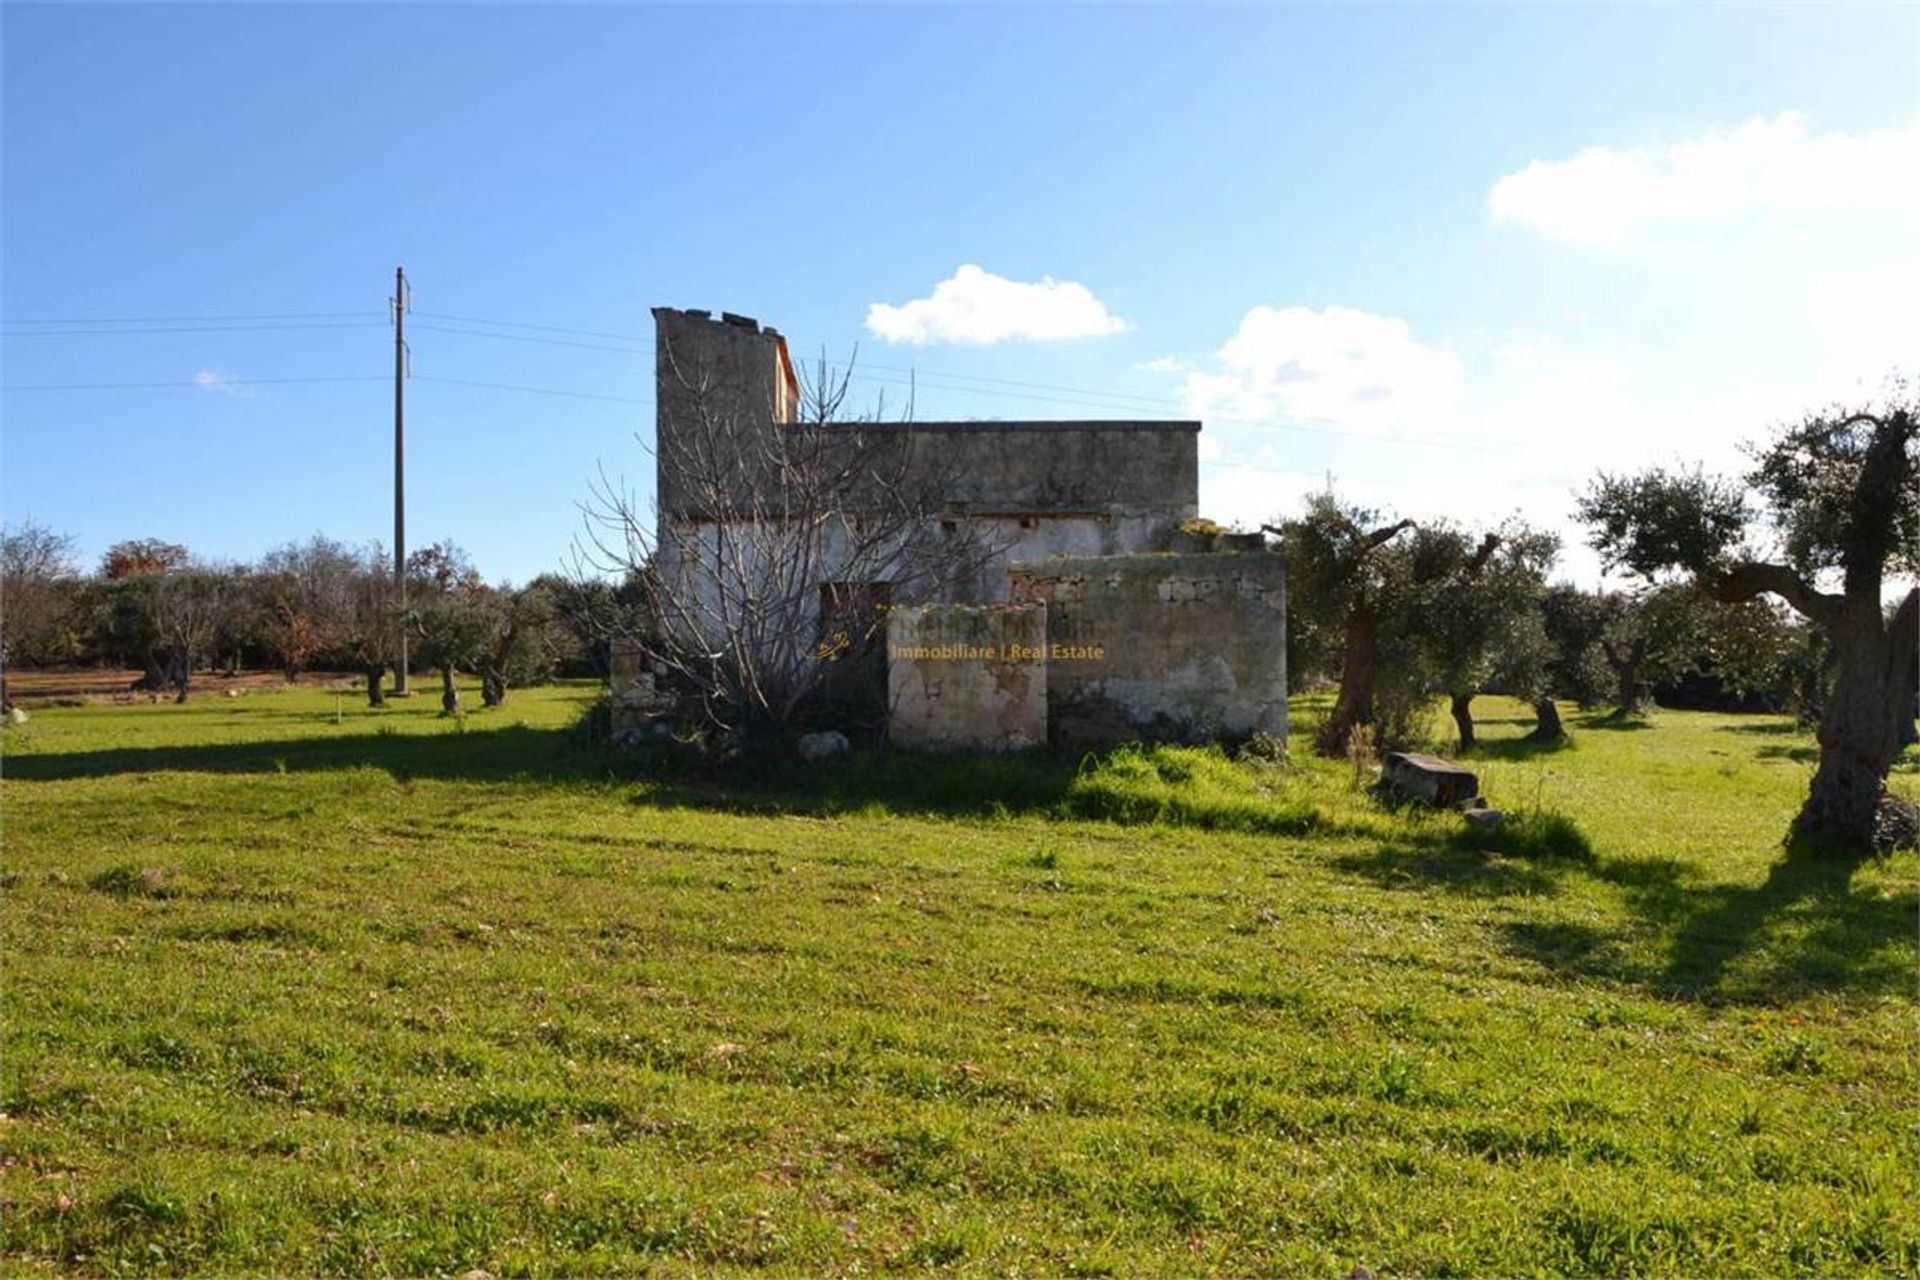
[317,605]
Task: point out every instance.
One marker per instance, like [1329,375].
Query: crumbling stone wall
[1184,648]
[636,700]
[961,677]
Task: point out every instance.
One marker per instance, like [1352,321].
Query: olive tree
[1478,609]
[451,614]
[1343,581]
[1648,637]
[370,626]
[1836,536]
[525,642]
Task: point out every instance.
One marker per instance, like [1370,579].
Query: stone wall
[1185,648]
[636,702]
[1087,468]
[720,387]
[961,677]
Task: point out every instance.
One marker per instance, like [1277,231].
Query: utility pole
[402,301]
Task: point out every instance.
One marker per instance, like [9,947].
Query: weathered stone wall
[719,388]
[630,685]
[1088,468]
[961,677]
[1184,648]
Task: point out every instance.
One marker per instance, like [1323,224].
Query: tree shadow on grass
[1449,867]
[1527,855]
[1611,721]
[1525,748]
[1799,755]
[982,786]
[492,754]
[1773,727]
[1806,929]
[1817,930]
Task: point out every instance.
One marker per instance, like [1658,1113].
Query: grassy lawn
[295,990]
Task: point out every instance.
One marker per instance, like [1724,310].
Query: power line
[226,384]
[1074,396]
[540,391]
[219,385]
[523,337]
[544,328]
[203,328]
[629,337]
[291,315]
[916,378]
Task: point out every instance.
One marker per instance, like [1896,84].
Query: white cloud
[1162,364]
[974,307]
[1602,193]
[1340,367]
[219,383]
[1518,428]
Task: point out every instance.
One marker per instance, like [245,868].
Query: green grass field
[386,993]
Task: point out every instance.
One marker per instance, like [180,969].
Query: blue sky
[1457,258]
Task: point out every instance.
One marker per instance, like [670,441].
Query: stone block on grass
[1428,779]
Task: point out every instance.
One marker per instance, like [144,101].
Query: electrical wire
[521,324]
[542,391]
[915,378]
[202,328]
[522,337]
[939,380]
[221,385]
[291,315]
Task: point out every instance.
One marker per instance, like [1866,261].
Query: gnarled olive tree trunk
[1629,664]
[1860,730]
[1354,705]
[182,675]
[376,672]
[1461,707]
[1547,726]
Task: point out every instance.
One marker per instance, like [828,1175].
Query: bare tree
[770,558]
[190,607]
[36,567]
[305,600]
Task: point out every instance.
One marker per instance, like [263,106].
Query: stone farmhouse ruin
[1096,610]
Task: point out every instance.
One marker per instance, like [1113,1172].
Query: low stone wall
[1184,648]
[635,700]
[967,678]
